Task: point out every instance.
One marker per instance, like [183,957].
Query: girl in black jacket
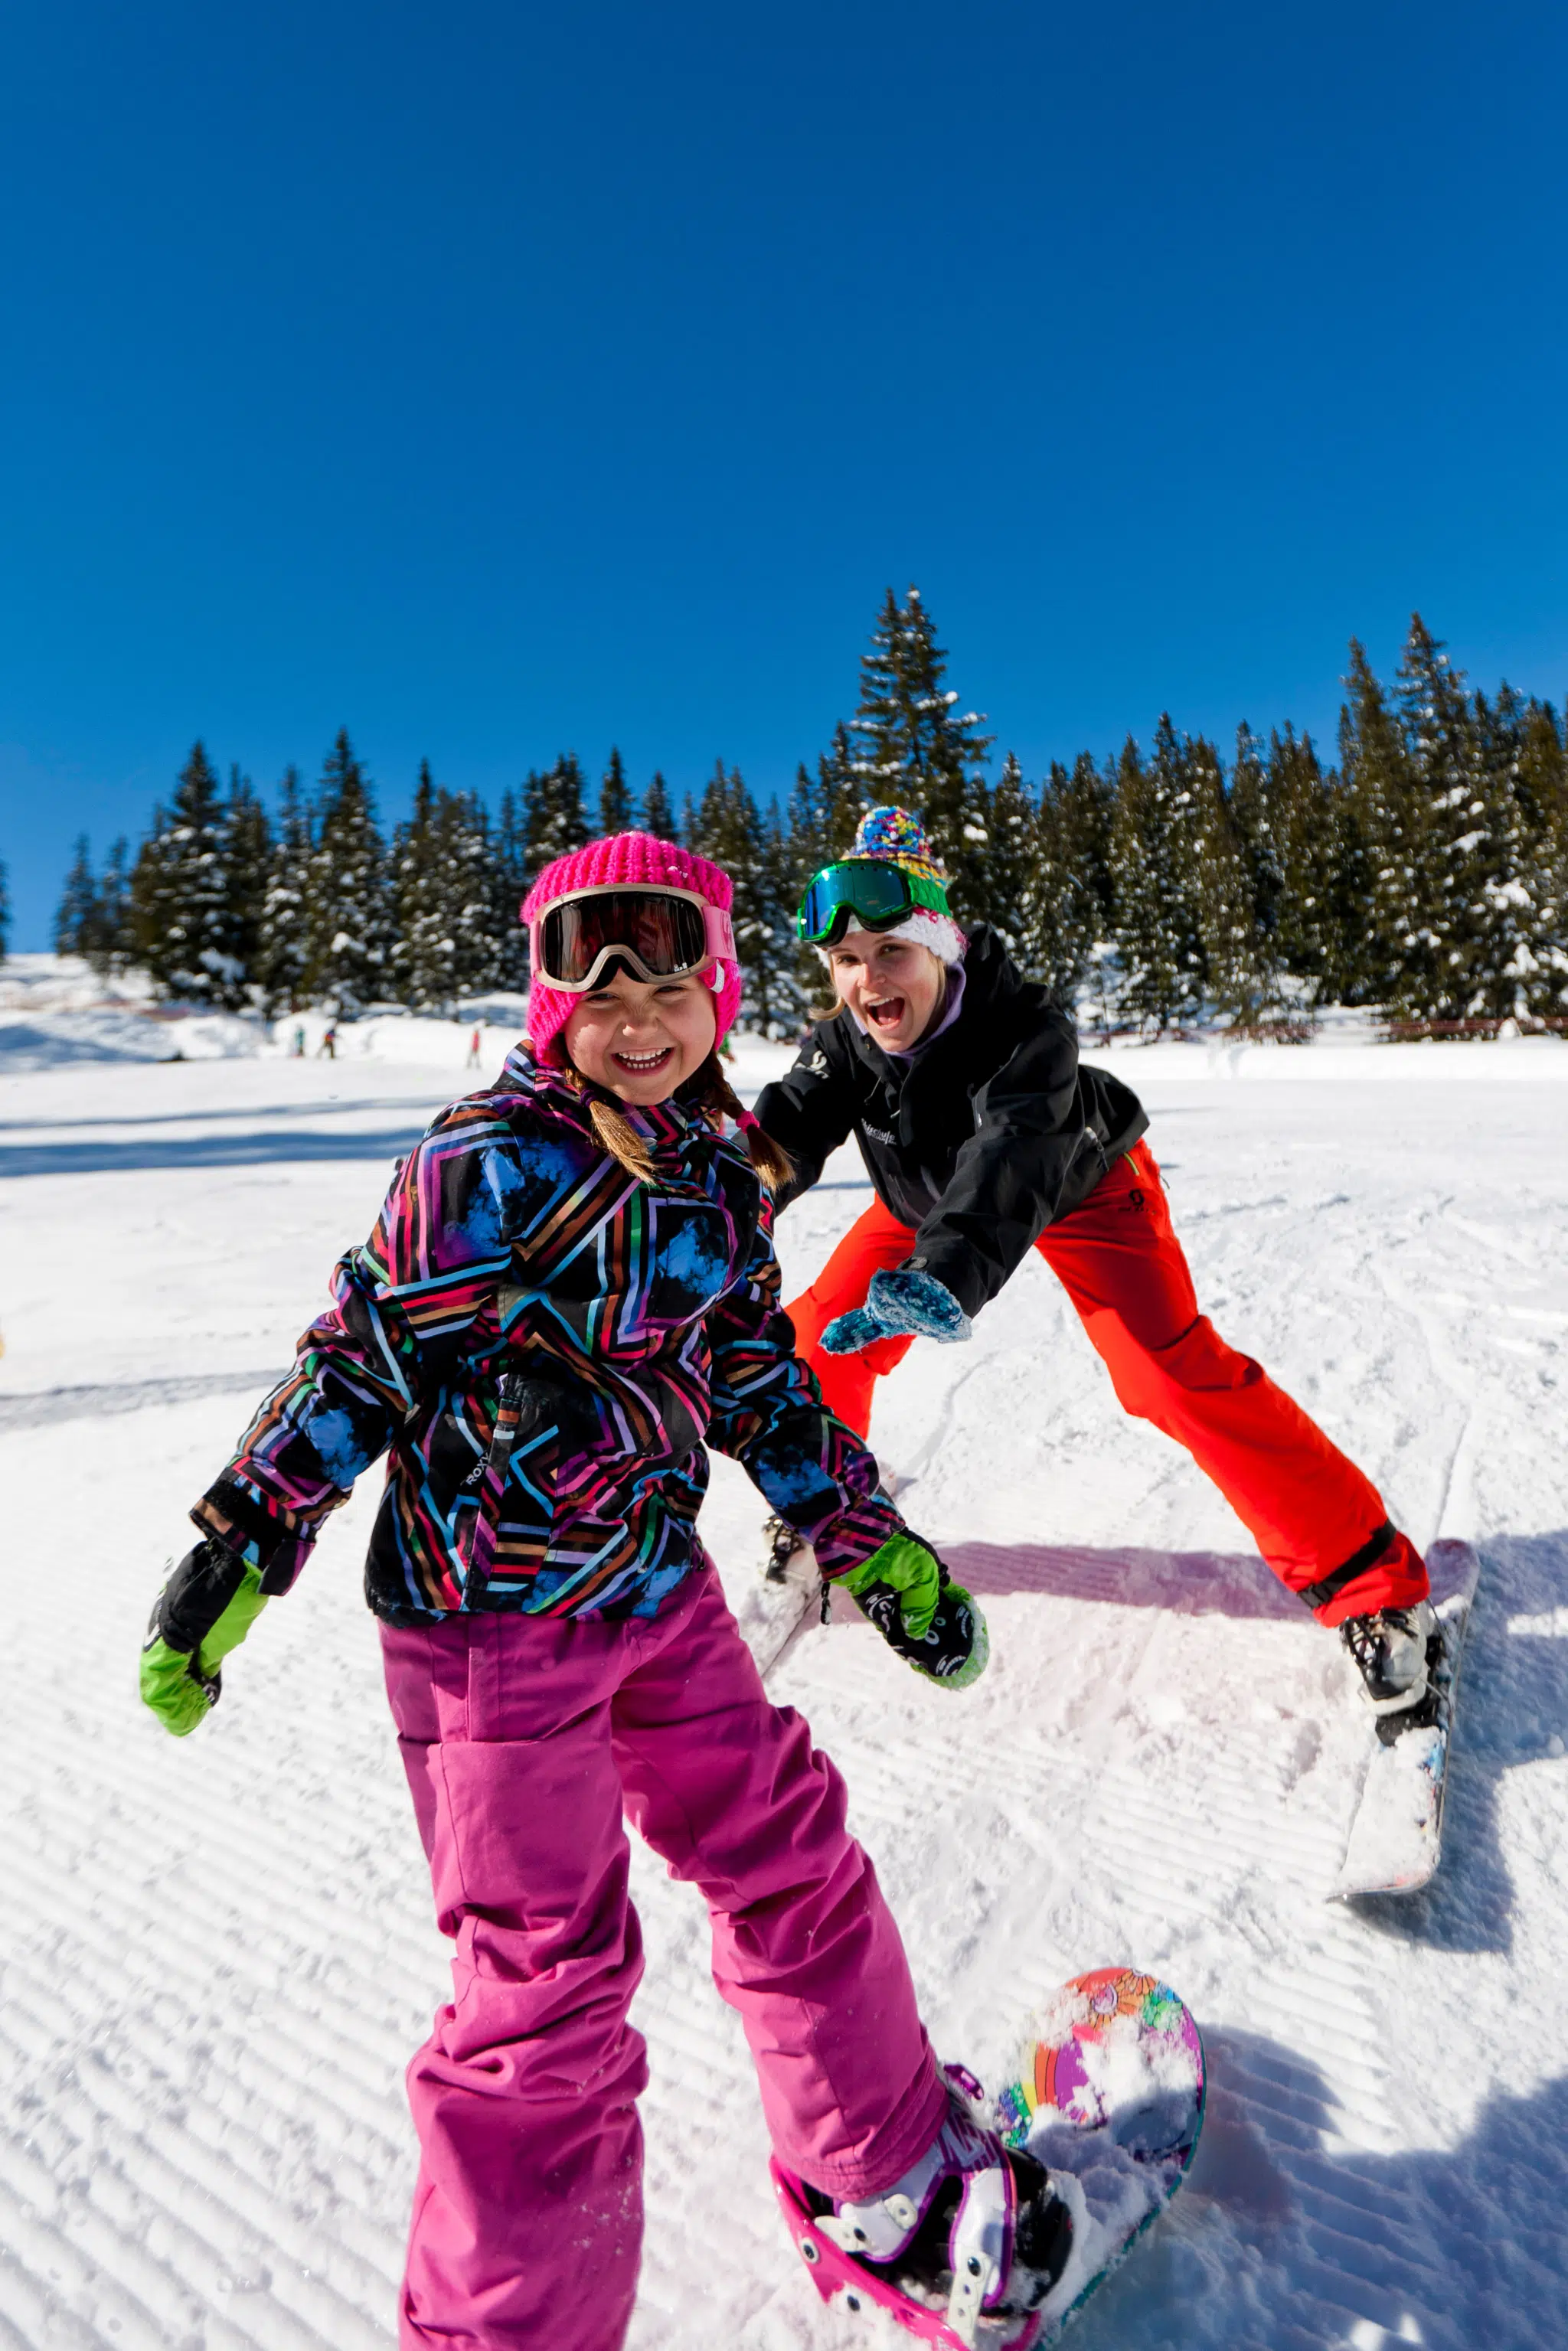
[983,1136]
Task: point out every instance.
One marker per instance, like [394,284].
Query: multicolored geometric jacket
[544,1345]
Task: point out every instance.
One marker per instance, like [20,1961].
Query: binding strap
[1328,1587]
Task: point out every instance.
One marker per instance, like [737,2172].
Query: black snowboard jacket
[980,1142]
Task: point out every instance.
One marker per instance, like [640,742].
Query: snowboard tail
[1396,1839]
[1109,2098]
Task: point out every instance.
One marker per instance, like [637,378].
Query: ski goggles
[873,893]
[659,933]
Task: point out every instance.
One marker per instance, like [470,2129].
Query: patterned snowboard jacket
[544,1345]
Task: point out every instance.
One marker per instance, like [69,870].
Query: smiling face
[641,1040]
[894,987]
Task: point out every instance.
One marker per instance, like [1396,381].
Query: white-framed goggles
[658,931]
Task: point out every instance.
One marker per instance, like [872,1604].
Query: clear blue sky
[495,379]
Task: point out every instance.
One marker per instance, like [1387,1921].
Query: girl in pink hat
[570,1294]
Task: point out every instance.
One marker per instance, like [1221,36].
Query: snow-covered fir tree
[76,916]
[1380,815]
[443,894]
[280,951]
[1014,859]
[1240,979]
[1154,836]
[552,814]
[508,887]
[728,827]
[914,746]
[179,893]
[246,835]
[614,797]
[658,815]
[348,910]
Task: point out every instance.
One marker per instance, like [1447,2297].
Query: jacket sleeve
[809,1110]
[1007,1183]
[770,1417]
[401,1307]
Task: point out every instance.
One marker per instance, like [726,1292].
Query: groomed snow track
[216,1954]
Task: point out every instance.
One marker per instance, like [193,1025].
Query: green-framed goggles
[875,893]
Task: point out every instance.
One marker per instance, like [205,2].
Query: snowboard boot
[1394,1650]
[973,2229]
[790,1558]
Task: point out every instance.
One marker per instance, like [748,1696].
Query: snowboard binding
[961,2252]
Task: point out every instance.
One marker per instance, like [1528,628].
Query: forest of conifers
[1423,872]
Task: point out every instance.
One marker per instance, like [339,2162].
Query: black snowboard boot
[1394,1650]
[789,1557]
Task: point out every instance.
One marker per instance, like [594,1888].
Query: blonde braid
[720,1100]
[615,1134]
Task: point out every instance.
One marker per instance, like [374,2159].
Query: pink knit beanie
[629,858]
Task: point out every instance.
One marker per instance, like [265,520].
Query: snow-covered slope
[215,1956]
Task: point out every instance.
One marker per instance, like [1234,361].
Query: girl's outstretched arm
[401,1305]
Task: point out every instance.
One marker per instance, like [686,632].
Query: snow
[217,1954]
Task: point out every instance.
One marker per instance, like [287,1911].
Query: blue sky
[497,379]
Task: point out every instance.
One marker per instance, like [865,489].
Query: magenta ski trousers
[525,1739]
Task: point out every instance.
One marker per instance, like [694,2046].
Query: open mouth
[644,1065]
[886,1012]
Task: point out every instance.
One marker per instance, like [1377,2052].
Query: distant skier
[571,1289]
[472,1061]
[299,1043]
[328,1045]
[984,1136]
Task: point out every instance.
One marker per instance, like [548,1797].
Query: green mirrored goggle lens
[875,894]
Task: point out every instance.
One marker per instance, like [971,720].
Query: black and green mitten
[933,1623]
[206,1608]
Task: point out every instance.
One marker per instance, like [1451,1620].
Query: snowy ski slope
[215,1956]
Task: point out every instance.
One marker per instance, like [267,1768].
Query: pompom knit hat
[629,858]
[893,836]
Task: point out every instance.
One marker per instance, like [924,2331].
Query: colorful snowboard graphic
[1397,1837]
[1109,2098]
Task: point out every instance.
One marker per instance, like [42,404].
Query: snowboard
[781,1614]
[1109,2096]
[1396,1835]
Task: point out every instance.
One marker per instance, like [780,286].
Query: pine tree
[728,827]
[1241,980]
[508,886]
[1015,857]
[553,821]
[1451,834]
[1155,833]
[348,915]
[179,892]
[79,915]
[246,837]
[5,909]
[115,946]
[1542,788]
[281,942]
[447,941]
[614,797]
[913,748]
[1377,812]
[659,810]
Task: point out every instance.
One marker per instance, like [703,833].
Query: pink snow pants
[525,1739]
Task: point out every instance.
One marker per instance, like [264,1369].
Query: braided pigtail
[615,1134]
[718,1098]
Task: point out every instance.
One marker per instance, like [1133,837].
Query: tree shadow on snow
[1285,2239]
[258,1147]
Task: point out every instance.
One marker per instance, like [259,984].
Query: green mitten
[905,1590]
[205,1609]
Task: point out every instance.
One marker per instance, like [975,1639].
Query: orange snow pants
[1312,1513]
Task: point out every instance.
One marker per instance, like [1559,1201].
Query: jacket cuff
[263,1533]
[956,1268]
[848,1540]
